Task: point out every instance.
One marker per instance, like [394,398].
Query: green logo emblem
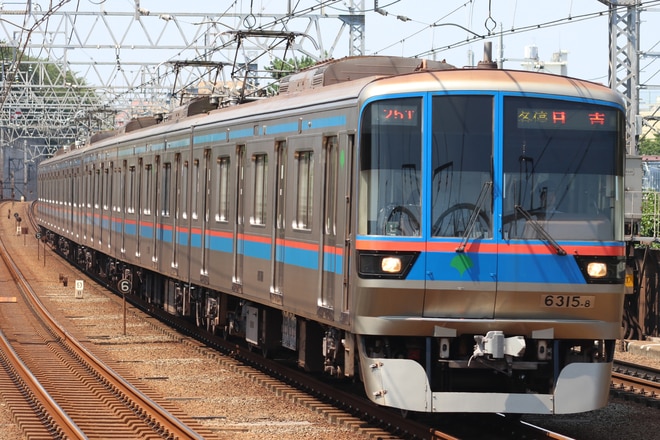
[461,262]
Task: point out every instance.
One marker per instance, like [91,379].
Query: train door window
[165,189]
[196,184]
[120,204]
[390,168]
[330,190]
[461,163]
[222,176]
[97,189]
[177,185]
[89,173]
[131,191]
[184,190]
[148,189]
[305,190]
[260,189]
[107,176]
[103,201]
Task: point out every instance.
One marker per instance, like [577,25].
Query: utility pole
[624,27]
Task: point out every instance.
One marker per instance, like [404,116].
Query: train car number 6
[569,301]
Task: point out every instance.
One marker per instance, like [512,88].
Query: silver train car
[453,238]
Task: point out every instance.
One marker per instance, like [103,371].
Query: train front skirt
[403,384]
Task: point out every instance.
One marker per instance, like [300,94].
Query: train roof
[493,80]
[353,78]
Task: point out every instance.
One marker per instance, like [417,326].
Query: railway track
[636,382]
[58,389]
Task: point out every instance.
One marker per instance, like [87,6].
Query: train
[450,237]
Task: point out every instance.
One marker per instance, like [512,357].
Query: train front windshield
[551,163]
[562,167]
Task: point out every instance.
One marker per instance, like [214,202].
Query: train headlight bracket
[602,269]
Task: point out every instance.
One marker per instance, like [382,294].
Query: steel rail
[171,423]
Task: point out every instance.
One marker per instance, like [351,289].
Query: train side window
[165,195]
[148,189]
[222,173]
[260,189]
[131,190]
[184,190]
[304,190]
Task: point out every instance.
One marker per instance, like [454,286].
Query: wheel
[401,221]
[454,221]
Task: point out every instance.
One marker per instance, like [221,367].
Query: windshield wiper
[475,214]
[540,230]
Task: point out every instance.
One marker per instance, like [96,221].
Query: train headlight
[597,269]
[390,264]
[602,269]
[384,264]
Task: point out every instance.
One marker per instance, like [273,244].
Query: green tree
[650,146]
[280,68]
[650,222]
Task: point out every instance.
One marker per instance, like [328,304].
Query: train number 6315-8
[568,301]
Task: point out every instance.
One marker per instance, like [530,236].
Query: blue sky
[577,26]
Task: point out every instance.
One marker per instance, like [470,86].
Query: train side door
[86,203]
[123,205]
[328,262]
[138,211]
[277,252]
[346,176]
[153,179]
[239,224]
[204,211]
[96,200]
[176,211]
[109,189]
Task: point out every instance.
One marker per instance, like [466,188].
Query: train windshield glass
[561,164]
[461,164]
[390,168]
